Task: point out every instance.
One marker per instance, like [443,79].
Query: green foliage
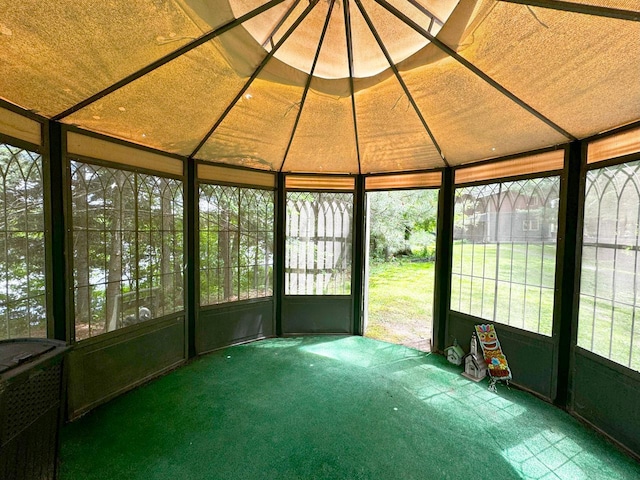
[22,248]
[236,243]
[128,244]
[423,244]
[402,222]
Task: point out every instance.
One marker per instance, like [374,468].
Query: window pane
[504,252]
[22,263]
[318,245]
[127,245]
[609,302]
[236,243]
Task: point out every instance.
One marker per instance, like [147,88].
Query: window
[609,300]
[127,246]
[318,245]
[22,250]
[533,225]
[236,243]
[504,252]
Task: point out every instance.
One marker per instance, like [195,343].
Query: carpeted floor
[331,408]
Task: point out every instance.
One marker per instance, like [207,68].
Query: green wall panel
[530,355]
[316,314]
[607,396]
[106,366]
[226,324]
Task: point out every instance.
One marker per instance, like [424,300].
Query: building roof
[457,349]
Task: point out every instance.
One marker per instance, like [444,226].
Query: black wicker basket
[31,388]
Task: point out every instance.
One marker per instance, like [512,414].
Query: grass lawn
[401,297]
[401,303]
[518,279]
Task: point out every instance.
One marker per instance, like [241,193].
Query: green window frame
[236,243]
[128,248]
[319,240]
[609,305]
[504,252]
[23,305]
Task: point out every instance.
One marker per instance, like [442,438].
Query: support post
[278,280]
[61,311]
[444,241]
[191,236]
[358,255]
[570,217]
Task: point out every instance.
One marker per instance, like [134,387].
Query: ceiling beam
[452,53]
[307,85]
[400,79]
[347,29]
[254,75]
[287,14]
[426,11]
[167,58]
[580,8]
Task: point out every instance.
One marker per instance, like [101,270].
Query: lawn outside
[510,283]
[609,322]
[400,303]
[400,308]
[525,287]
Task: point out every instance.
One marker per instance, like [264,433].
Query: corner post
[568,267]
[444,246]
[60,300]
[191,236]
[359,251]
[278,283]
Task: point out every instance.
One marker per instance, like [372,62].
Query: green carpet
[331,408]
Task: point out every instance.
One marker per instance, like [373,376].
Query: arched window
[504,252]
[127,245]
[236,243]
[22,246]
[319,243]
[609,300]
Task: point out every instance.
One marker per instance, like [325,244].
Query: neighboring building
[505,213]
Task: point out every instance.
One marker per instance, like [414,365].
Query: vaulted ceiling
[332,86]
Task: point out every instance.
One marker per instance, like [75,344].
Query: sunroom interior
[181,176]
